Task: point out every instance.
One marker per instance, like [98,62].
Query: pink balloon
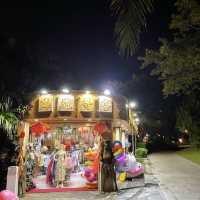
[8,195]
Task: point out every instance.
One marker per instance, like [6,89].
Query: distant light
[43,91]
[87,92]
[65,90]
[65,119]
[137,120]
[186,131]
[126,105]
[132,104]
[135,114]
[107,92]
[180,140]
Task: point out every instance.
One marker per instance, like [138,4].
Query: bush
[141,145]
[141,153]
[158,144]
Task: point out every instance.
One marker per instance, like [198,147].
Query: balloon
[122,176]
[117,142]
[137,171]
[121,158]
[8,195]
[90,175]
[131,162]
[118,152]
[117,145]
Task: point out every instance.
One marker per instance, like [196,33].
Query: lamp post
[131,117]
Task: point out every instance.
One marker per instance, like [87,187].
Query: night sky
[55,43]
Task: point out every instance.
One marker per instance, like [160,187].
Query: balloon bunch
[120,158]
[91,172]
[126,164]
[118,153]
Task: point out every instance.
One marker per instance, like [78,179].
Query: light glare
[65,90]
[43,91]
[107,92]
[132,104]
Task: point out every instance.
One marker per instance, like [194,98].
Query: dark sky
[60,42]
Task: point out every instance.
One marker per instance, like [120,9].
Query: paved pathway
[179,178]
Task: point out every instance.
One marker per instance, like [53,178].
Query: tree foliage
[177,62]
[188,118]
[130,21]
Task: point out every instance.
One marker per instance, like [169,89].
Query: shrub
[141,153]
[141,145]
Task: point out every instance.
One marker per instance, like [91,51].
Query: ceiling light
[107,92]
[65,90]
[43,91]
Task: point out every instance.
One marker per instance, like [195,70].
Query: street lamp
[132,104]
[137,120]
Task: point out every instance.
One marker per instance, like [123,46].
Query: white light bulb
[65,90]
[132,104]
[44,91]
[107,92]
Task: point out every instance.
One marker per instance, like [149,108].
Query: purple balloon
[122,158]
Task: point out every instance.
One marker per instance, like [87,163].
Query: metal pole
[133,142]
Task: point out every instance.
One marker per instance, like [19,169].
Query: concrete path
[179,178]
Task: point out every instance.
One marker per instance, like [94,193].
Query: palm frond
[130,21]
[8,119]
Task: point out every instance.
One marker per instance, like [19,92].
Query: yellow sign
[45,103]
[65,103]
[105,104]
[86,103]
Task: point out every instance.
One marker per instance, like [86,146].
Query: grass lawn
[191,154]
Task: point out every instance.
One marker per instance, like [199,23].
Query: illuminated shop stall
[64,139]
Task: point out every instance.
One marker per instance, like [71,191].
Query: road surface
[178,178]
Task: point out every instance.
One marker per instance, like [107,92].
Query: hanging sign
[86,103]
[105,104]
[65,103]
[45,103]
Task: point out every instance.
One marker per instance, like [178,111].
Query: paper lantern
[39,128]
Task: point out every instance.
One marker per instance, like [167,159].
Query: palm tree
[8,117]
[130,21]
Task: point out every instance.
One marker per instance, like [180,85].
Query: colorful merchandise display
[126,164]
[62,158]
[91,170]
